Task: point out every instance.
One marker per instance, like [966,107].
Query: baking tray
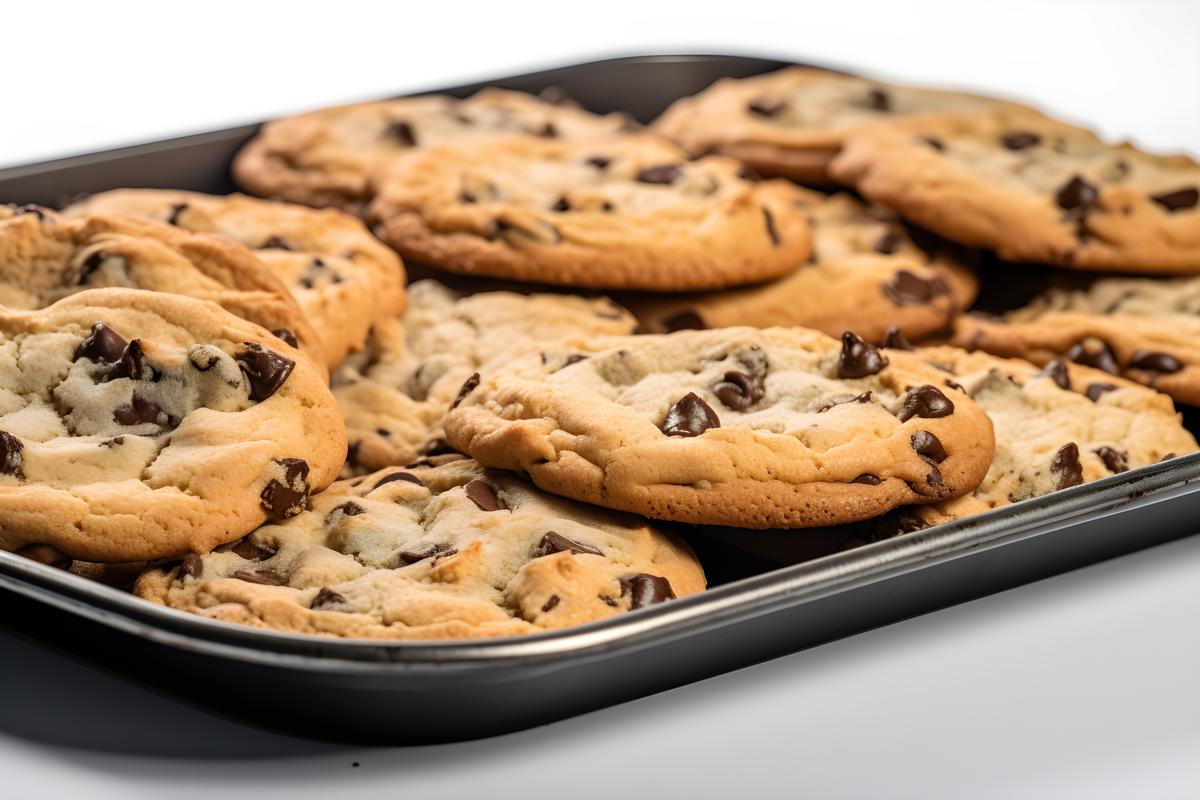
[405,692]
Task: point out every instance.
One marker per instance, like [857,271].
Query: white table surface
[1085,685]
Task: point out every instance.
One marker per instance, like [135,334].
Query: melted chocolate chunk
[599,162]
[435,552]
[907,289]
[895,339]
[275,243]
[286,498]
[1114,459]
[250,551]
[1057,371]
[879,100]
[765,107]
[1020,140]
[402,131]
[926,402]
[326,597]
[928,447]
[550,603]
[483,496]
[351,509]
[265,370]
[12,454]
[1152,361]
[192,565]
[176,210]
[842,400]
[684,321]
[1094,390]
[89,266]
[1066,466]
[739,391]
[646,590]
[554,542]
[139,412]
[265,577]
[399,476]
[133,364]
[889,243]
[1178,200]
[662,174]
[468,386]
[286,336]
[769,222]
[868,479]
[1077,195]
[562,204]
[859,359]
[1095,354]
[103,344]
[690,416]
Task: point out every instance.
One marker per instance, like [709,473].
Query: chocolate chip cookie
[141,425]
[341,276]
[330,157]
[45,256]
[1143,329]
[447,552]
[621,213]
[1033,189]
[394,394]
[783,427]
[792,122]
[865,274]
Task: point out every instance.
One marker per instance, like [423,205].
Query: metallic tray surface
[372,691]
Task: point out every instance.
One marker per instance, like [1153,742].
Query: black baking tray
[758,607]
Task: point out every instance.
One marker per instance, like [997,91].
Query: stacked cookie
[513,451]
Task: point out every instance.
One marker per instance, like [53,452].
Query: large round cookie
[737,426]
[330,157]
[865,274]
[621,213]
[342,277]
[1144,329]
[1034,189]
[45,256]
[792,122]
[141,425]
[394,395]
[449,552]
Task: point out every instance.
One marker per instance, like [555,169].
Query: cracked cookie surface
[141,425]
[45,256]
[332,156]
[341,276]
[1034,189]
[393,395]
[626,212]
[865,274]
[792,122]
[738,426]
[447,552]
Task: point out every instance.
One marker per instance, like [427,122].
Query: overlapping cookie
[628,212]
[45,256]
[1033,189]
[447,552]
[393,395]
[793,122]
[342,277]
[865,274]
[142,425]
[330,157]
[738,426]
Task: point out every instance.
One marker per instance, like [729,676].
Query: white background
[1082,686]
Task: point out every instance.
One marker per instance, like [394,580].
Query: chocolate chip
[286,498]
[265,369]
[1094,390]
[1020,140]
[274,243]
[689,416]
[436,551]
[483,496]
[879,100]
[103,344]
[550,603]
[351,509]
[1114,459]
[1152,361]
[1178,200]
[889,243]
[250,551]
[906,289]
[1093,353]
[1057,371]
[399,476]
[842,400]
[608,600]
[176,210]
[1076,195]
[599,162]
[554,542]
[89,266]
[935,143]
[264,577]
[765,107]
[132,364]
[547,131]
[116,441]
[139,412]
[684,320]
[867,479]
[895,339]
[562,204]
[467,387]
[607,206]
[928,447]
[859,359]
[402,131]
[926,402]
[769,221]
[894,523]
[1066,466]
[664,174]
[12,454]
[646,590]
[326,597]
[192,565]
[287,336]
[955,385]
[739,391]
